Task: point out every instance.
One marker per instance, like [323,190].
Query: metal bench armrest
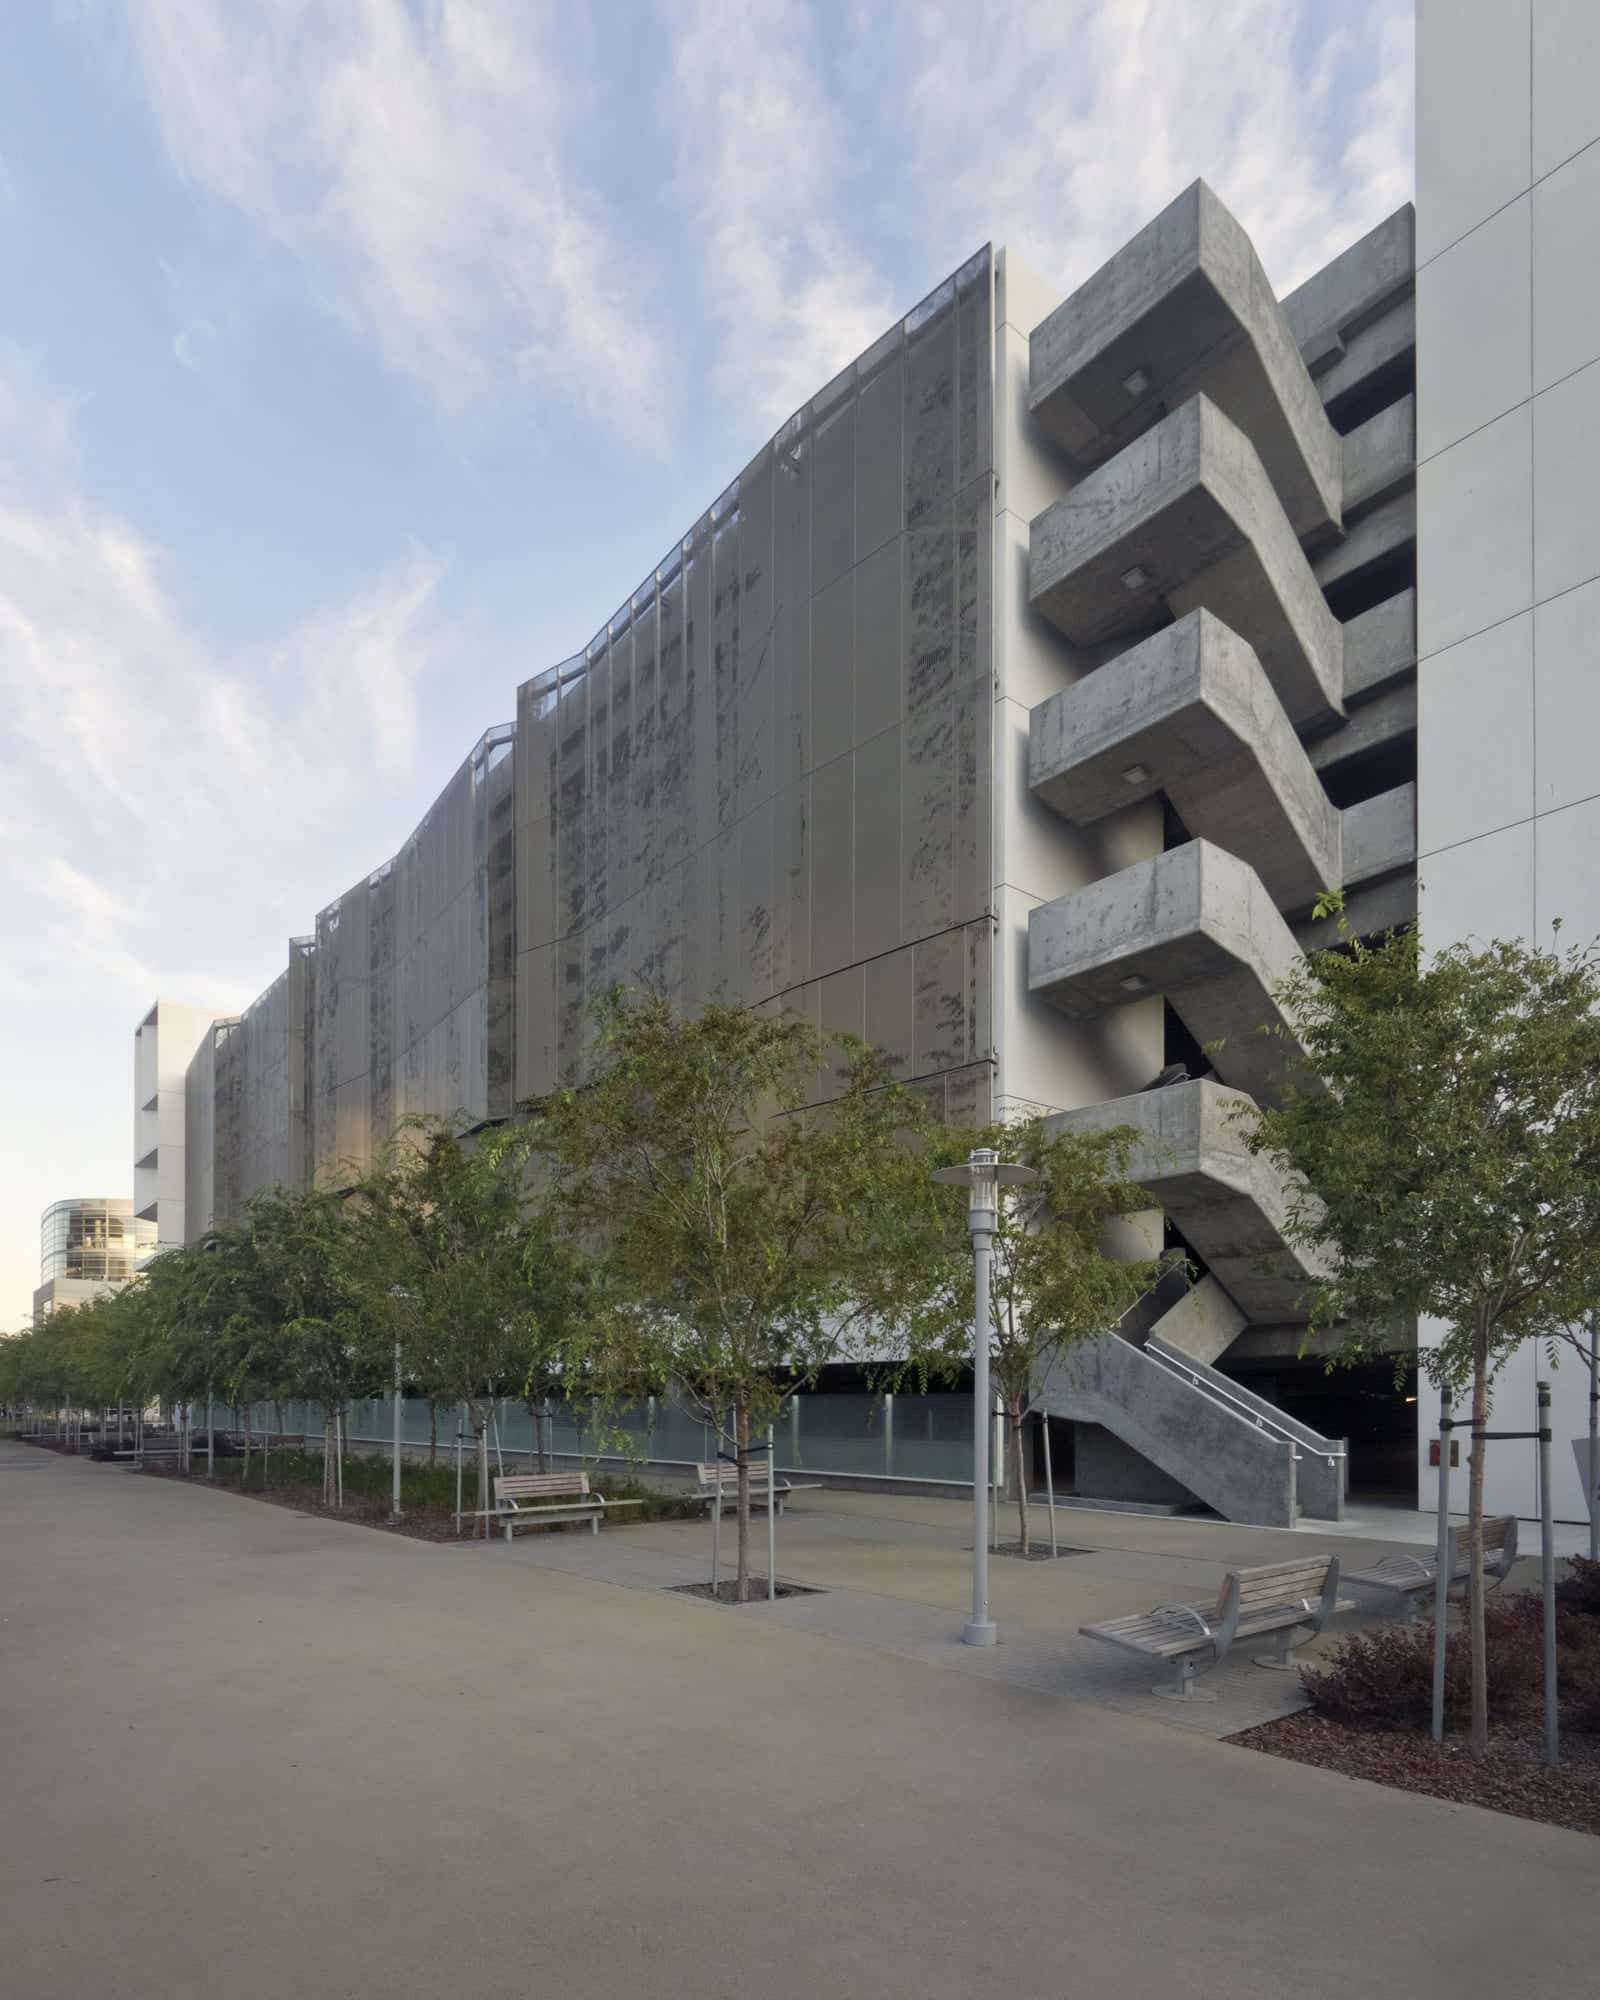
[1186,1611]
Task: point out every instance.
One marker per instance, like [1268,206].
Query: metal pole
[1547,1559]
[1049,1481]
[1594,1437]
[979,1629]
[716,1520]
[772,1519]
[211,1437]
[394,1495]
[338,1438]
[458,1474]
[997,1481]
[1441,1587]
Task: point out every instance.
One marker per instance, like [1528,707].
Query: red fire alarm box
[1455,1451]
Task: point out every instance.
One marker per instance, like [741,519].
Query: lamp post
[983,1176]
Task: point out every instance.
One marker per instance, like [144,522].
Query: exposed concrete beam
[1190,712]
[1195,925]
[1186,307]
[1380,645]
[1346,365]
[1388,527]
[1231,1206]
[1380,457]
[1203,1324]
[1380,835]
[1185,518]
[1360,282]
[1385,904]
[1387,718]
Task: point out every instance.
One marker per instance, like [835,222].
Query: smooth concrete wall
[164,1042]
[1508,532]
[1045,1064]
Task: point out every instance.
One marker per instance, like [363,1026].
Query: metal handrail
[1211,1387]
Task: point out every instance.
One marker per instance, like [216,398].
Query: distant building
[163,1043]
[88,1246]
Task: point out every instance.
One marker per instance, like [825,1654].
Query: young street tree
[1455,1159]
[443,1227]
[737,1241]
[311,1290]
[1057,1276]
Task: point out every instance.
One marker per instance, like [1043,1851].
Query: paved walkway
[894,1576]
[254,1752]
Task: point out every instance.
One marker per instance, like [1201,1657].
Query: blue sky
[360,356]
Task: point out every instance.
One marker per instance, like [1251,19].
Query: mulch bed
[362,1509]
[1509,1779]
[725,1591]
[1036,1552]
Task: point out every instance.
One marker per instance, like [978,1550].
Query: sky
[359,357]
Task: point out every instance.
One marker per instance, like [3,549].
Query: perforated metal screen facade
[768,778]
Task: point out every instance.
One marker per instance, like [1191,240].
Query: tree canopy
[1451,1169]
[742,1233]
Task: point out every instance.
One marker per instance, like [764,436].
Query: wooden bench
[1408,1580]
[1273,1600]
[535,1499]
[720,1482]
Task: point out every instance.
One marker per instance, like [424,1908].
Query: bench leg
[1281,1659]
[508,1531]
[594,1524]
[1183,1688]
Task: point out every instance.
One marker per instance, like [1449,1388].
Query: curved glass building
[91,1241]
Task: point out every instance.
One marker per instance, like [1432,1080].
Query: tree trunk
[1475,1640]
[244,1476]
[1019,1416]
[330,1476]
[542,1437]
[741,1445]
[433,1432]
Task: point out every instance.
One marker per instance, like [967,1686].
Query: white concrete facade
[1508,531]
[163,1042]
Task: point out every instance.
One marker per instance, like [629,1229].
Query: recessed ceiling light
[1135,578]
[1134,983]
[1136,383]
[1136,774]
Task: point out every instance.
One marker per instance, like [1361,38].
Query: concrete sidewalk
[256,1752]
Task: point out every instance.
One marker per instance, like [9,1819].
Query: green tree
[1061,1273]
[444,1227]
[737,1242]
[169,1316]
[312,1286]
[1454,1159]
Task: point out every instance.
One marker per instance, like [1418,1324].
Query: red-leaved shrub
[1383,1679]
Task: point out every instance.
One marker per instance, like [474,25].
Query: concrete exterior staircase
[1229,1448]
[1228,567]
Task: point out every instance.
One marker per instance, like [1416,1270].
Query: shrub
[1383,1679]
[1579,1590]
[1580,1691]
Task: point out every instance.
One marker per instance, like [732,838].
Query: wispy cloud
[763,159]
[409,160]
[181,803]
[1064,125]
